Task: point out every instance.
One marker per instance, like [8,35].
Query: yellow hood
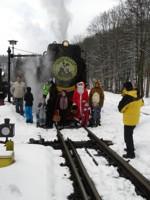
[132,93]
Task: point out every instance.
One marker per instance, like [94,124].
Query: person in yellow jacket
[130,105]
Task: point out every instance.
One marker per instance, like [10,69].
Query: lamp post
[9,63]
[12,43]
[10,55]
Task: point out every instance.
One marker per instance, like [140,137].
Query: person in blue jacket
[28,98]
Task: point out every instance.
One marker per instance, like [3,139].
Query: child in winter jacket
[41,113]
[28,98]
[86,114]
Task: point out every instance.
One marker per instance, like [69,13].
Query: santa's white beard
[80,90]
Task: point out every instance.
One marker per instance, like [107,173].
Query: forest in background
[117,48]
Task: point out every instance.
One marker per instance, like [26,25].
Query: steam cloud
[58,19]
[59,16]
[29,68]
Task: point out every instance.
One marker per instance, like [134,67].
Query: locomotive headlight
[3,73]
[65,43]
[6,129]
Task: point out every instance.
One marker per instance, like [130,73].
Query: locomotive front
[68,67]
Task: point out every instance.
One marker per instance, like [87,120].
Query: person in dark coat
[51,105]
[28,98]
[130,105]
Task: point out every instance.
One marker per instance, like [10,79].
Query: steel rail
[78,177]
[141,183]
[74,169]
[89,183]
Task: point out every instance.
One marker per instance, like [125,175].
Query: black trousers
[128,138]
[63,114]
[49,121]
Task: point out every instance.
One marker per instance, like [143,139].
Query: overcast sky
[37,23]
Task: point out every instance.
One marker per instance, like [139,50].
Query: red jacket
[79,100]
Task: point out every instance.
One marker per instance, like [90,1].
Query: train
[67,65]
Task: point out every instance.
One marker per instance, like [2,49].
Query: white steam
[59,17]
[30,75]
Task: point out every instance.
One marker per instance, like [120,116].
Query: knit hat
[28,89]
[128,85]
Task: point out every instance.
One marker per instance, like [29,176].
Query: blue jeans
[19,105]
[96,115]
[28,114]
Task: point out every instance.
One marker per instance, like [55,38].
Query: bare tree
[140,12]
[116,49]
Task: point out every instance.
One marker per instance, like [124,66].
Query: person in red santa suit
[80,100]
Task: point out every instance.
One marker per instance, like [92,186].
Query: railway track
[141,184]
[84,186]
[83,181]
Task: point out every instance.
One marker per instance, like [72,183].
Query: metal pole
[0,78]
[9,63]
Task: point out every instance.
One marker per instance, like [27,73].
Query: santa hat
[81,84]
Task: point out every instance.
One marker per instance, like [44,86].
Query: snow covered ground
[37,174]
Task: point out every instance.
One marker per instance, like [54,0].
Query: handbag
[56,116]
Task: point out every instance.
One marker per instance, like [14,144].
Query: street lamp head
[12,42]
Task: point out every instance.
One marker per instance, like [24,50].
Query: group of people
[78,109]
[88,106]
[22,94]
[82,108]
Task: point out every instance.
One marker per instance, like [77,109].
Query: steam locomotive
[67,65]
